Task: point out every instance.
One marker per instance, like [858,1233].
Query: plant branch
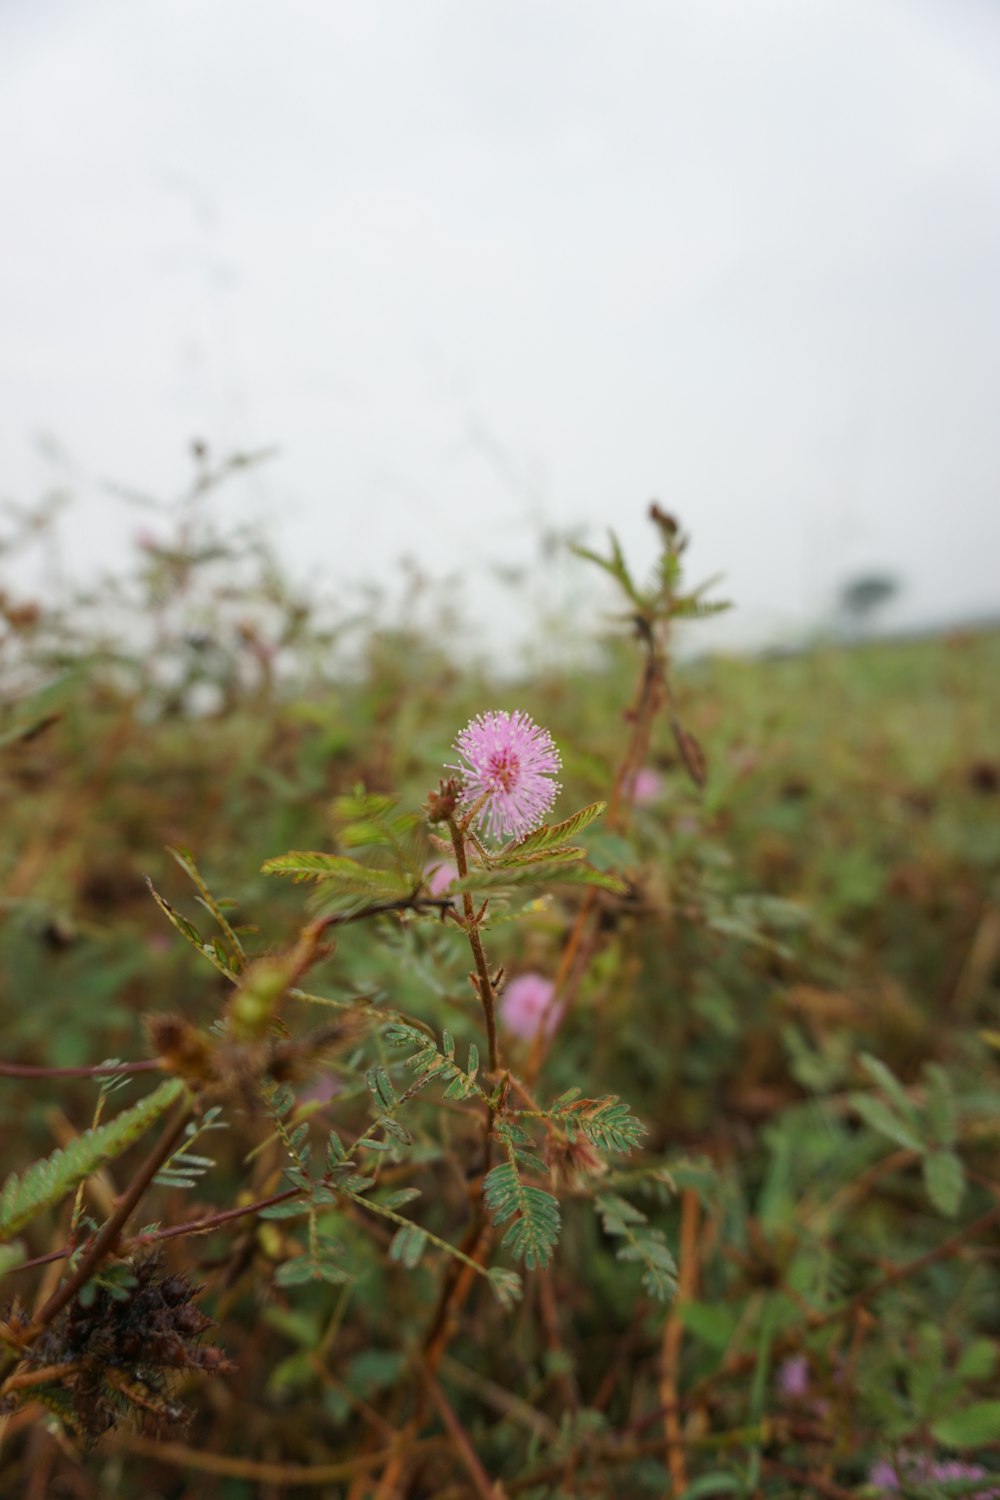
[105,1241]
[101,1070]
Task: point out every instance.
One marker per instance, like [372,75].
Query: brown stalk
[265,1473]
[673,1334]
[481,1482]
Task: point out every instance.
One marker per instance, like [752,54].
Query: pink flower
[793,1377]
[646,786]
[438,877]
[508,760]
[918,1468]
[523,1006]
[884,1476]
[321,1090]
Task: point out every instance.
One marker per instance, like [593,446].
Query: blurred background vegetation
[832,892]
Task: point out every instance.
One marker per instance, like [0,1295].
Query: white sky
[464,261]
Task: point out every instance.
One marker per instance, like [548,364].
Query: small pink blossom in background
[321,1090]
[646,787]
[884,1476]
[147,541]
[887,1478]
[523,1004]
[793,1377]
[438,878]
[510,761]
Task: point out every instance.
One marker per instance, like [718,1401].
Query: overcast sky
[465,262]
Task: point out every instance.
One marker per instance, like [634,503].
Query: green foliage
[537,875]
[643,1244]
[533,1234]
[607,1124]
[47,1182]
[929,1132]
[431,1062]
[184,1168]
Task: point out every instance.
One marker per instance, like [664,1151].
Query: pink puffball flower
[510,762]
[523,1006]
[438,877]
[646,787]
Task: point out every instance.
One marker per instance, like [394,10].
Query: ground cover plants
[418,1084]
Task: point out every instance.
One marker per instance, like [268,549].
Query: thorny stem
[459,1278]
[484,983]
[652,692]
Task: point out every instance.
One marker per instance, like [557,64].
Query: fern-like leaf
[622,1220]
[607,1123]
[544,872]
[533,1234]
[336,870]
[430,1062]
[552,835]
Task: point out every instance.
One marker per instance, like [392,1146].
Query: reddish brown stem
[28,1070]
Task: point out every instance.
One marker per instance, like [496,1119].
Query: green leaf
[506,1286]
[187,863]
[296,1272]
[408,1245]
[399,1198]
[615,565]
[345,876]
[381,1089]
[970,1427]
[395,1129]
[290,1210]
[707,1486]
[944,1179]
[884,1078]
[535,1229]
[46,1182]
[429,1063]
[369,820]
[643,1243]
[978,1361]
[537,874]
[712,1322]
[38,710]
[550,836]
[607,1123]
[876,1113]
[941,1111]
